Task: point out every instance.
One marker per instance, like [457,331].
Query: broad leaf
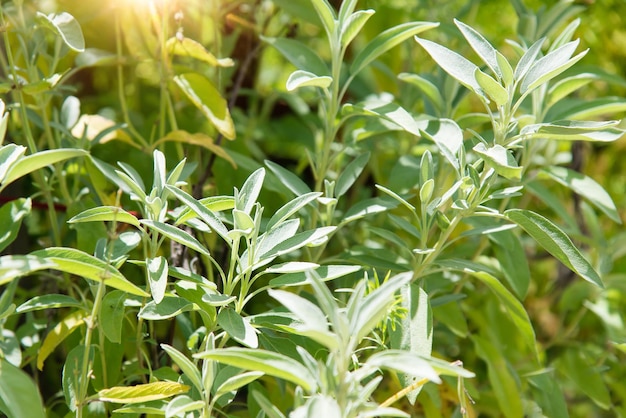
[11,216]
[583,372]
[9,154]
[181,404]
[236,382]
[72,376]
[112,315]
[326,14]
[404,362]
[156,269]
[64,25]
[201,92]
[570,130]
[268,362]
[555,241]
[527,60]
[19,395]
[492,88]
[300,78]
[427,87]
[169,307]
[73,261]
[237,327]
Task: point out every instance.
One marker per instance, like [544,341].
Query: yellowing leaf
[59,333]
[189,48]
[199,139]
[142,393]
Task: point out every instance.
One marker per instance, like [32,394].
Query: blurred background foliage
[580,328]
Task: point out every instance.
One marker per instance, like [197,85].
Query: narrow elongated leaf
[549,395]
[14,266]
[460,68]
[58,334]
[18,393]
[186,366]
[507,248]
[64,25]
[39,160]
[324,273]
[236,382]
[349,174]
[405,362]
[427,87]
[568,85]
[582,372]
[202,211]
[142,393]
[298,241]
[556,242]
[327,15]
[386,40]
[176,234]
[201,92]
[446,134]
[181,404]
[368,207]
[305,311]
[586,187]
[105,214]
[237,327]
[81,264]
[492,88]
[72,376]
[169,307]
[300,55]
[481,46]
[586,109]
[290,208]
[300,78]
[53,301]
[527,60]
[290,180]
[268,362]
[570,130]
[550,66]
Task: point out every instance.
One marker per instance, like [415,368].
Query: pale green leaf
[169,307]
[428,88]
[268,362]
[41,159]
[105,214]
[142,392]
[500,159]
[12,215]
[550,66]
[300,55]
[79,263]
[64,25]
[181,404]
[156,269]
[527,60]
[14,266]
[176,234]
[404,362]
[237,327]
[386,40]
[9,154]
[326,14]
[236,382]
[569,130]
[290,180]
[187,47]
[324,272]
[568,85]
[481,46]
[189,369]
[250,190]
[52,301]
[300,78]
[58,334]
[351,26]
[290,208]
[492,88]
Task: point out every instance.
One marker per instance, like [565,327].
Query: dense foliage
[311,208]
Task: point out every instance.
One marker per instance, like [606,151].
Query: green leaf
[368,207]
[268,362]
[507,250]
[52,301]
[555,241]
[39,160]
[300,78]
[549,395]
[414,332]
[586,187]
[290,208]
[64,25]
[501,160]
[386,40]
[324,272]
[570,130]
[19,395]
[176,234]
[237,327]
[326,14]
[201,92]
[311,237]
[81,264]
[446,134]
[142,393]
[187,47]
[492,88]
[236,382]
[11,216]
[58,334]
[527,60]
[404,362]
[156,269]
[586,109]
[351,26]
[582,372]
[300,55]
[72,376]
[460,68]
[290,180]
[105,214]
[502,381]
[513,307]
[181,404]
[9,154]
[14,266]
[189,369]
[481,46]
[349,174]
[168,308]
[425,86]
[250,191]
[202,211]
[112,315]
[568,85]
[550,66]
